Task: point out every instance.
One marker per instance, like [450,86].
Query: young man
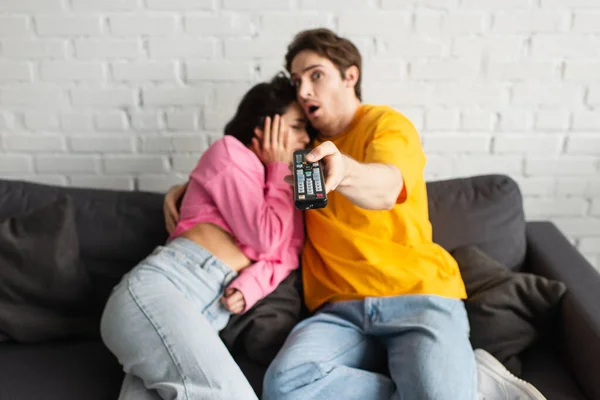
[373,277]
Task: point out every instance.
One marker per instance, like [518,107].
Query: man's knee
[282,379]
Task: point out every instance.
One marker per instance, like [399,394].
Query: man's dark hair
[341,52]
[263,100]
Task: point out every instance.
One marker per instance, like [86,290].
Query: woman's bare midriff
[220,243]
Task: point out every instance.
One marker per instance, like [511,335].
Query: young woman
[237,238]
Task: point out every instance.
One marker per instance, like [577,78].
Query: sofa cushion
[486,211]
[508,311]
[45,290]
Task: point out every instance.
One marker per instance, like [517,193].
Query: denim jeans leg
[327,356]
[133,388]
[429,353]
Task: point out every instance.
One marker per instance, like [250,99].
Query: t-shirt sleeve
[397,142]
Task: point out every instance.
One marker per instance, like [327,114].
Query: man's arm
[372,186]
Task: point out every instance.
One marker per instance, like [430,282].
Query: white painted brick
[144,71]
[54,180]
[560,166]
[536,186]
[186,144]
[32,95]
[181,47]
[11,164]
[495,4]
[228,95]
[450,143]
[104,5]
[488,164]
[157,144]
[111,121]
[34,143]
[216,119]
[102,182]
[569,46]
[586,120]
[441,119]
[72,71]
[572,186]
[168,5]
[524,71]
[416,46]
[116,97]
[102,49]
[159,183]
[131,25]
[218,25]
[587,22]
[72,164]
[550,94]
[143,164]
[171,96]
[478,120]
[7,121]
[469,94]
[536,208]
[450,24]
[15,71]
[254,48]
[416,115]
[290,24]
[528,144]
[404,94]
[581,226]
[333,5]
[594,95]
[102,144]
[88,25]
[404,4]
[530,22]
[381,23]
[584,71]
[584,144]
[515,120]
[149,121]
[439,167]
[366,45]
[26,49]
[552,120]
[382,70]
[590,245]
[257,5]
[76,123]
[31,5]
[569,3]
[182,120]
[13,26]
[185,163]
[596,211]
[495,47]
[219,71]
[455,70]
[594,187]
[41,120]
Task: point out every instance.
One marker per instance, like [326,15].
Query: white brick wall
[127,94]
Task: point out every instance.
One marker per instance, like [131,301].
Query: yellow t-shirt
[352,253]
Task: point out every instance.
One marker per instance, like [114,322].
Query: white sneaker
[495,382]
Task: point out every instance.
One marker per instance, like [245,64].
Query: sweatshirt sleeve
[261,278]
[259,213]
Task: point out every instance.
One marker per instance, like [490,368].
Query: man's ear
[351,76]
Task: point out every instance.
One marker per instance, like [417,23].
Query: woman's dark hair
[263,100]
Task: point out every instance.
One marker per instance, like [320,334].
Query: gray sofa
[117,229]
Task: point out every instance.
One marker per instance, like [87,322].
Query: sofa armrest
[550,254]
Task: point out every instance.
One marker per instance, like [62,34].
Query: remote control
[309,182]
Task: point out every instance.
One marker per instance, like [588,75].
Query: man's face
[320,89]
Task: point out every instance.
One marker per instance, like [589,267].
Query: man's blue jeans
[335,353]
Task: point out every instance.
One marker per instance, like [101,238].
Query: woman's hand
[272,143]
[170,209]
[233,300]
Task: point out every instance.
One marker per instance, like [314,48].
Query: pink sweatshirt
[228,188]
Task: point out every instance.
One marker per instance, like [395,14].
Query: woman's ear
[351,76]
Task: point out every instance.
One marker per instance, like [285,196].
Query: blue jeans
[337,353]
[162,322]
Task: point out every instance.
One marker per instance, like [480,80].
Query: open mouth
[312,109]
